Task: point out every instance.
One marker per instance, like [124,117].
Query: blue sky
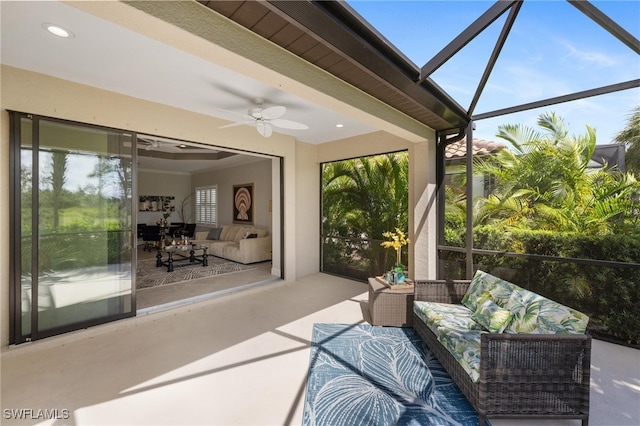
[553,50]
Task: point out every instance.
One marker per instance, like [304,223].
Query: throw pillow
[481,283]
[525,312]
[214,234]
[499,290]
[492,317]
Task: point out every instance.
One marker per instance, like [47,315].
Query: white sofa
[242,244]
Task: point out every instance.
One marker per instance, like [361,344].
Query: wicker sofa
[242,244]
[534,362]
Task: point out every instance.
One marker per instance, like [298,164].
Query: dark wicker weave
[390,307]
[521,375]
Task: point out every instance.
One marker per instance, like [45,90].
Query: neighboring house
[611,155]
[456,152]
[455,158]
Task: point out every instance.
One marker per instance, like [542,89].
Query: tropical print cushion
[464,345]
[554,318]
[501,292]
[492,317]
[525,314]
[479,285]
[535,314]
[421,309]
[456,330]
[436,315]
[486,286]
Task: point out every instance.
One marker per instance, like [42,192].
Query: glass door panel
[26,225]
[76,266]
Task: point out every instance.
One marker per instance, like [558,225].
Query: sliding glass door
[71,226]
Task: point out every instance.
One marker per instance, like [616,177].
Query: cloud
[588,57]
[608,114]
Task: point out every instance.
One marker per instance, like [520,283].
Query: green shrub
[608,294]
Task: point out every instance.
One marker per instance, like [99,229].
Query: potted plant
[397,239]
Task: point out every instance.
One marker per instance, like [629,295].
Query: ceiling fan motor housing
[255,112]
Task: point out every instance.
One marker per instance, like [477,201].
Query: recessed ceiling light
[339,125]
[58,31]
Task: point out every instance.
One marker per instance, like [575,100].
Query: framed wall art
[243,203]
[157,203]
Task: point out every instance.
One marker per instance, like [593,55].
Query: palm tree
[543,182]
[58,179]
[365,197]
[630,136]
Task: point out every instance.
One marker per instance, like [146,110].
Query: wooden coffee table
[177,256]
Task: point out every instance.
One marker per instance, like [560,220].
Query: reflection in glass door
[73,233]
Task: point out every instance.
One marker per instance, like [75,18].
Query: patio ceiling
[335,38]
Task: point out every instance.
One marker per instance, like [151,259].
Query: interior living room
[96,96]
[178,173]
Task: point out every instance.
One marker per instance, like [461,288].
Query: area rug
[366,375]
[148,275]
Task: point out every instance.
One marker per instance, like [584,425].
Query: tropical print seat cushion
[436,315]
[455,330]
[464,345]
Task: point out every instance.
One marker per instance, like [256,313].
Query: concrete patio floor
[240,359]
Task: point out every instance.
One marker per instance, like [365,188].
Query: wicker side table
[390,307]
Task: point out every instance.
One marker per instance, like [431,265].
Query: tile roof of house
[480,147]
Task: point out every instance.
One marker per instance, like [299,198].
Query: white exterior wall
[422,196]
[307,205]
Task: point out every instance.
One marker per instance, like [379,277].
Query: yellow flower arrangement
[396,241]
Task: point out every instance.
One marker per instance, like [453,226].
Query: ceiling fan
[167,146]
[149,144]
[267,118]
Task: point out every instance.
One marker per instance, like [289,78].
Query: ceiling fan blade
[273,112]
[288,124]
[260,127]
[264,128]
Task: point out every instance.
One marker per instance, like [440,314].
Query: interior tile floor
[240,359]
[162,297]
